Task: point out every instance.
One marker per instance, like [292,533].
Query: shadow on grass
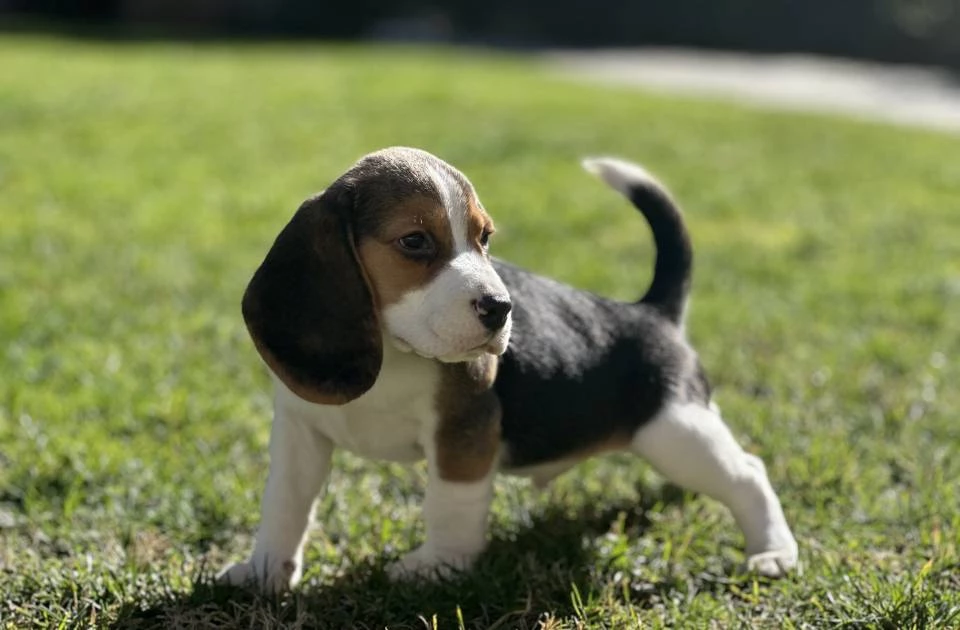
[541,568]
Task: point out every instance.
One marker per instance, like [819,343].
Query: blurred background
[915,31]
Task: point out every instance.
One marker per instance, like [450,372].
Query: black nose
[493,310]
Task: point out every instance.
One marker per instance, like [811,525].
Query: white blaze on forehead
[473,271]
[454,200]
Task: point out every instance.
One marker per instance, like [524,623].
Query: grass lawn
[141,184]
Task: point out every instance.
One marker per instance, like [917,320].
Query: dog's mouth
[491,345]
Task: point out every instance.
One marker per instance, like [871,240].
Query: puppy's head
[396,247]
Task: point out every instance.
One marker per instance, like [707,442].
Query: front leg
[456,521]
[299,466]
[461,452]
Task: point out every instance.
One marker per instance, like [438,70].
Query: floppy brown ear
[309,308]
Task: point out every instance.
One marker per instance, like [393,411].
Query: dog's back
[583,372]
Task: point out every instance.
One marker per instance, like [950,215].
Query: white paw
[261,575]
[422,563]
[774,564]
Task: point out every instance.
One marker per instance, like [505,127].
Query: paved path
[908,95]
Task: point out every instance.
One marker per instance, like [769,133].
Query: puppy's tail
[674,264]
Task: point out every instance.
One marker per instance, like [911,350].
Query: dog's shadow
[544,567]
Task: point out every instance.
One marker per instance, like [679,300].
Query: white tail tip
[619,174]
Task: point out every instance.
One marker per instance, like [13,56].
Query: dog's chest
[392,419]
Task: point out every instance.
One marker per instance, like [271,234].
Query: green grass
[141,184]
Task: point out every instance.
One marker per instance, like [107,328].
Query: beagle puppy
[389,331]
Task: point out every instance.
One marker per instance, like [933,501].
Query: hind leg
[691,446]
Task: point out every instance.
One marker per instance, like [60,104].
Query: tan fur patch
[468,434]
[477,221]
[391,273]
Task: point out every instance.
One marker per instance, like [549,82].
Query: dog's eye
[417,243]
[485,238]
